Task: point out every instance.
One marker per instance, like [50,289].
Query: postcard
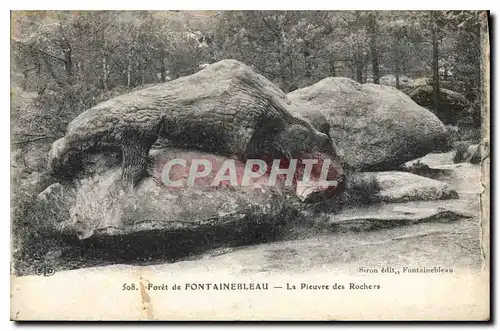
[250,165]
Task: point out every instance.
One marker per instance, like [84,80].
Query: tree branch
[32,140]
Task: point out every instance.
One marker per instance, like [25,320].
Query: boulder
[158,218]
[390,80]
[421,81]
[385,216]
[224,109]
[397,186]
[467,153]
[453,104]
[375,127]
[473,154]
[100,206]
[454,85]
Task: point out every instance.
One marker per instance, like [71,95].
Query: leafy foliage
[73,60]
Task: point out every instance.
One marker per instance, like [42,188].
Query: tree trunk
[129,74]
[365,76]
[137,73]
[398,73]
[38,66]
[332,67]
[372,29]
[104,73]
[162,67]
[397,64]
[307,66]
[282,60]
[51,71]
[435,68]
[359,74]
[129,69]
[359,69]
[292,85]
[68,63]
[142,72]
[25,79]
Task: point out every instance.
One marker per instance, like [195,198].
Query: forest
[65,62]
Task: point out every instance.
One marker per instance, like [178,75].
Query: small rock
[396,186]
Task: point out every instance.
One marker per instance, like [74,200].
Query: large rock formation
[159,208]
[183,189]
[453,104]
[405,82]
[226,109]
[376,127]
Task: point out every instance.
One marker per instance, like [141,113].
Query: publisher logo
[44,271]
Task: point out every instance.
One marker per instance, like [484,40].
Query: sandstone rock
[383,216]
[473,154]
[375,127]
[396,186]
[224,109]
[390,80]
[421,81]
[470,154]
[433,160]
[99,206]
[452,103]
[454,85]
